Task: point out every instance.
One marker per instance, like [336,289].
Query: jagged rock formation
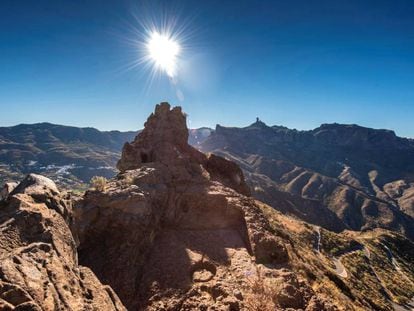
[189,233]
[38,261]
[164,140]
[336,176]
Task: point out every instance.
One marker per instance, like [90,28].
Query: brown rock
[7,188]
[43,189]
[164,141]
[270,249]
[227,172]
[38,260]
[183,219]
[315,305]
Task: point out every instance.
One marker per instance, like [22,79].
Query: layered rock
[38,260]
[190,236]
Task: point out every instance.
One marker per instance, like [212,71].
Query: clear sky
[292,63]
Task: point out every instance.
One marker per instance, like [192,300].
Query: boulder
[44,190]
[7,188]
[38,260]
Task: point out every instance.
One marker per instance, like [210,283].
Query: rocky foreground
[177,230]
[39,267]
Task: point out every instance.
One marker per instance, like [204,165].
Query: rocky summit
[177,229]
[189,231]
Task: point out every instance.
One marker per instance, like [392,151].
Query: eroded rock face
[164,141]
[38,261]
[175,229]
[7,188]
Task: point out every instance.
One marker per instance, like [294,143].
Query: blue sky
[292,63]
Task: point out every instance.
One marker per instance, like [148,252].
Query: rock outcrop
[7,188]
[190,235]
[38,260]
[164,140]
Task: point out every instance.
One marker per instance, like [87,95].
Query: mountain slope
[336,176]
[69,154]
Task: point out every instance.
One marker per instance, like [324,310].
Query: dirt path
[318,241]
[340,269]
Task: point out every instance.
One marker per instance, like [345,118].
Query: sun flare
[163,51]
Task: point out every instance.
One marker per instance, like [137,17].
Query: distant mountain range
[336,176]
[68,154]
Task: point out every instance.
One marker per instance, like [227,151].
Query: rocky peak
[183,218]
[163,139]
[258,124]
[164,142]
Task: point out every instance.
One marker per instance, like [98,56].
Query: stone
[184,218]
[7,188]
[38,260]
[43,189]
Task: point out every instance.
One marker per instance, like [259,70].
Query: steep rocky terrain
[184,221]
[336,176]
[177,229]
[38,258]
[193,239]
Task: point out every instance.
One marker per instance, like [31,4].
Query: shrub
[260,296]
[99,183]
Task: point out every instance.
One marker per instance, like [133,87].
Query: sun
[163,51]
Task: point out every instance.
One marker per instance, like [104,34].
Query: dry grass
[260,294]
[372,283]
[99,183]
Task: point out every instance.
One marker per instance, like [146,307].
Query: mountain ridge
[337,176]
